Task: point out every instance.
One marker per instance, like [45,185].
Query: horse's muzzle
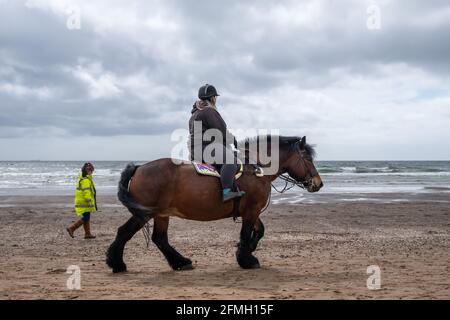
[315,185]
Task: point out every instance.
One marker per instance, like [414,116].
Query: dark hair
[85,167]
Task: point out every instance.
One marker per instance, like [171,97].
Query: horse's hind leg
[114,255]
[159,237]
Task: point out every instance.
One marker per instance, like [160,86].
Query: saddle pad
[208,170]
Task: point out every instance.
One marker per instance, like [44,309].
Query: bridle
[288,180]
[304,184]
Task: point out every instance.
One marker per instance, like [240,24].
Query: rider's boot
[227,194]
[227,172]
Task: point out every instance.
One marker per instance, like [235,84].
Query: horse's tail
[137,210]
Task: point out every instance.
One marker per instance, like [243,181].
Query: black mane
[286,143]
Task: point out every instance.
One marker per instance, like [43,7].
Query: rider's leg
[225,162]
[227,173]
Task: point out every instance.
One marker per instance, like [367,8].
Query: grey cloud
[241,47]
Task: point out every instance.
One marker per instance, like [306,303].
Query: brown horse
[161,189]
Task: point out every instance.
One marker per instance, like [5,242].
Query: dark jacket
[210,118]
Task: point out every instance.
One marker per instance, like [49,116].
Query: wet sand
[310,251]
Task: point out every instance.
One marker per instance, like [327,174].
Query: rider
[205,112]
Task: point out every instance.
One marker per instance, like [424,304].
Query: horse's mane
[286,143]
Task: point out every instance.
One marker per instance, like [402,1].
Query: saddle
[205,169]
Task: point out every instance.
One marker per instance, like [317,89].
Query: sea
[344,181]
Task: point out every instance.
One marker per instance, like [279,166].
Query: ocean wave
[391,174]
[381,170]
[369,170]
[338,176]
[329,170]
[437,188]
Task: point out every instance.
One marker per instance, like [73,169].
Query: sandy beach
[310,251]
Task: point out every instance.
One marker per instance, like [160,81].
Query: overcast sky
[117,87]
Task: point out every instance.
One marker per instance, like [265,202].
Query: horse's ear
[303,143]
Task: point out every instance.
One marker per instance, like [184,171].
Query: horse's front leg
[257,234]
[160,238]
[247,243]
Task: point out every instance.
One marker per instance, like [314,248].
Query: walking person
[85,201]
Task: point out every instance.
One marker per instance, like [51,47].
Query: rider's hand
[233,148]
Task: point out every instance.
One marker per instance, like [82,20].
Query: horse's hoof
[116,268]
[247,262]
[187,267]
[119,269]
[250,266]
[182,265]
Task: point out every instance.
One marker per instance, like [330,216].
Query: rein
[288,180]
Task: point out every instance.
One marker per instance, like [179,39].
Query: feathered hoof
[187,267]
[119,268]
[116,267]
[247,261]
[185,264]
[255,266]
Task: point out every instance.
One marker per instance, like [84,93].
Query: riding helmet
[207,91]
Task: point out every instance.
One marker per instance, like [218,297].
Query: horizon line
[75,160]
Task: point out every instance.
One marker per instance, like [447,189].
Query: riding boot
[227,194]
[87,230]
[227,172]
[74,227]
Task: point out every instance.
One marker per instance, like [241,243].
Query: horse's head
[300,164]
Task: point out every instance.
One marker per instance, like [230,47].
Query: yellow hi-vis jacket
[85,195]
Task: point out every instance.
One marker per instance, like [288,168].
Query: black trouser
[227,173]
[227,165]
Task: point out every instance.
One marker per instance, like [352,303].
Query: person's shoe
[87,231]
[74,227]
[228,195]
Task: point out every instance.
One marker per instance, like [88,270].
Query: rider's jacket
[209,118]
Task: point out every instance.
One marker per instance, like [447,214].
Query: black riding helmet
[207,91]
